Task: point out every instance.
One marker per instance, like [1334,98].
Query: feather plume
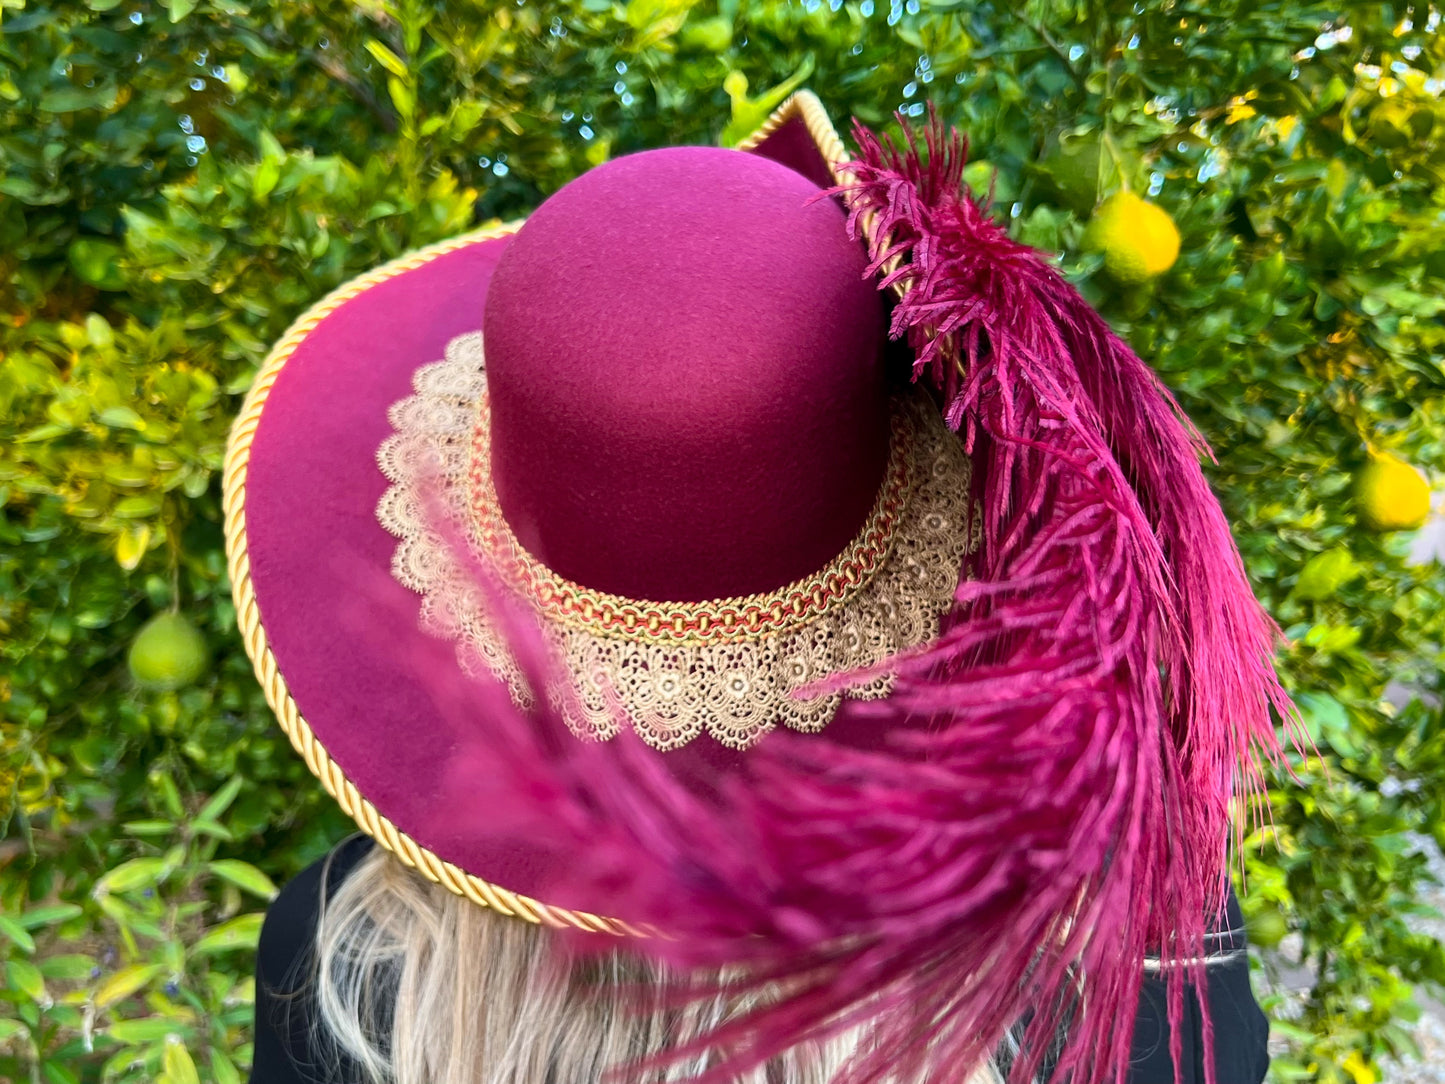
[1053,803]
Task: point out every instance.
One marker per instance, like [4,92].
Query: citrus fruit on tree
[168,653]
[1266,927]
[1139,239]
[1075,170]
[1390,494]
[1077,166]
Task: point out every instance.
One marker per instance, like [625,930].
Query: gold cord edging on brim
[805,106]
[253,634]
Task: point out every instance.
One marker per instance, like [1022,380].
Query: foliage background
[182,178]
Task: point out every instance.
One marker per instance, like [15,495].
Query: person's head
[421,986]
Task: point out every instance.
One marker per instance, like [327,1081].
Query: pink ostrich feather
[1052,805]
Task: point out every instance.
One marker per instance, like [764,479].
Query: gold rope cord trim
[803,105]
[278,696]
[727,668]
[248,614]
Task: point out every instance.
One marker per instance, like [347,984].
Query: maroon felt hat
[660,407]
[650,469]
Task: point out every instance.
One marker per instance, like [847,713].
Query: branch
[1057,49]
[359,90]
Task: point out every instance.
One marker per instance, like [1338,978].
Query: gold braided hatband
[803,105]
[689,624]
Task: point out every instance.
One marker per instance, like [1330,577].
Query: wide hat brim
[309,560]
[1053,801]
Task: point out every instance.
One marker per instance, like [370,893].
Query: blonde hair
[420,986]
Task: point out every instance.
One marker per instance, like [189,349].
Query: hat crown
[684,364]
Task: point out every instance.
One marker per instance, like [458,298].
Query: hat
[760,546]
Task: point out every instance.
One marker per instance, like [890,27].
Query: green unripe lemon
[1139,239]
[1391,495]
[1071,172]
[168,653]
[1266,928]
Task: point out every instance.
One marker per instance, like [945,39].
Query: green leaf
[43,433]
[1288,1030]
[222,799]
[121,417]
[748,114]
[130,547]
[137,507]
[223,1068]
[1327,720]
[74,99]
[50,915]
[124,983]
[179,9]
[29,21]
[402,96]
[98,331]
[22,188]
[709,35]
[263,180]
[128,876]
[57,1073]
[211,828]
[170,794]
[271,149]
[386,58]
[244,875]
[238,933]
[146,1030]
[25,977]
[149,828]
[177,1067]
[68,968]
[11,1029]
[96,262]
[1325,573]
[17,933]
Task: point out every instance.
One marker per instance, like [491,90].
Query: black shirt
[288,1052]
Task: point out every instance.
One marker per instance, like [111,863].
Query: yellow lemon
[1390,494]
[168,653]
[1138,238]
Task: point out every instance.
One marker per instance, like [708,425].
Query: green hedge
[181,179]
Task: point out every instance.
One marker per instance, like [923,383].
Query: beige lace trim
[729,667]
